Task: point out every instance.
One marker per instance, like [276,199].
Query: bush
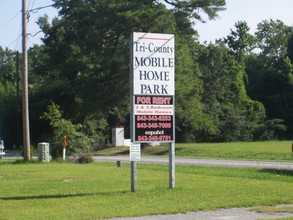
[86,158]
[63,127]
[81,139]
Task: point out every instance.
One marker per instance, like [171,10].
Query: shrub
[86,158]
[63,127]
[81,139]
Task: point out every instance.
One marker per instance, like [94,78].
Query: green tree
[7,66]
[270,74]
[235,115]
[272,38]
[190,116]
[87,52]
[240,41]
[290,48]
[9,107]
[194,9]
[88,48]
[8,113]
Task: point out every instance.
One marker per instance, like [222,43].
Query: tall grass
[101,190]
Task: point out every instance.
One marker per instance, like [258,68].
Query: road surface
[186,161]
[202,162]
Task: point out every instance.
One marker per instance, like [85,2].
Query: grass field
[101,190]
[266,150]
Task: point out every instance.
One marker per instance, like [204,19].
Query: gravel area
[221,214]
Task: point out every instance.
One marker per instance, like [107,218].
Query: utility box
[118,136]
[44,152]
[2,153]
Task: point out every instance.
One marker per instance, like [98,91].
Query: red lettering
[143,100]
[161,100]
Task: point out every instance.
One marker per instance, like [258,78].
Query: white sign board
[135,153]
[153,82]
[153,64]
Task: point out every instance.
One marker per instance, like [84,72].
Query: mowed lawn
[102,190]
[265,150]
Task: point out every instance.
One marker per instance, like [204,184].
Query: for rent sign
[152,90]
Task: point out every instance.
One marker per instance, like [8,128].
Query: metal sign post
[134,156]
[133,176]
[171,165]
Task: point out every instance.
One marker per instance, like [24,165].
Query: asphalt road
[186,161]
[202,162]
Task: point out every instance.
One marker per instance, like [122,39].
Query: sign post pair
[152,78]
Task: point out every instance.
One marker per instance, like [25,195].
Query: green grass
[101,190]
[266,150]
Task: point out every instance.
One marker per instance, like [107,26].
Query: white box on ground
[44,152]
[135,153]
[118,136]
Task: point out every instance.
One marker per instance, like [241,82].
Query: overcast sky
[251,11]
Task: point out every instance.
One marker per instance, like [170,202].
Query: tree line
[238,88]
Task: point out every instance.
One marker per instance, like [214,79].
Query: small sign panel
[135,153]
[152,95]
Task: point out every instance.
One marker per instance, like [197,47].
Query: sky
[251,11]
[11,22]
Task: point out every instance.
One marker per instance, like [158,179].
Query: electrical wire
[32,6]
[19,33]
[36,10]
[8,22]
[17,45]
[32,10]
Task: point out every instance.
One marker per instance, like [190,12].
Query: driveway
[221,214]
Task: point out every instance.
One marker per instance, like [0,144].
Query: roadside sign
[152,92]
[135,152]
[152,87]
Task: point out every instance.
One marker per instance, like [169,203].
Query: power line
[8,22]
[33,35]
[17,45]
[31,10]
[19,35]
[29,4]
[16,40]
[36,10]
[19,31]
